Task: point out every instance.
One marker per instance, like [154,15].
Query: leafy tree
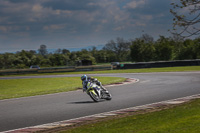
[65,51]
[93,52]
[1,61]
[58,59]
[197,47]
[177,44]
[43,50]
[147,38]
[142,50]
[136,50]
[7,60]
[86,55]
[186,17]
[110,56]
[58,51]
[120,47]
[190,49]
[25,57]
[101,56]
[73,58]
[163,49]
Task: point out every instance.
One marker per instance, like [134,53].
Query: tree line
[142,49]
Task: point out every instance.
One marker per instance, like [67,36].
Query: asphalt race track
[152,87]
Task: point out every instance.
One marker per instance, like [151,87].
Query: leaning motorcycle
[97,93]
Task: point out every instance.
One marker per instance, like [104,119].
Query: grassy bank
[15,88]
[142,70]
[149,70]
[180,119]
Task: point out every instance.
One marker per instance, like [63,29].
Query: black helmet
[84,77]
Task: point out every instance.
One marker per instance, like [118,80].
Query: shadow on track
[84,102]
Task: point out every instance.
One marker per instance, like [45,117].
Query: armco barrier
[18,71]
[104,67]
[93,68]
[159,64]
[55,69]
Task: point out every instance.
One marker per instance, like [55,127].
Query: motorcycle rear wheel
[106,95]
[109,97]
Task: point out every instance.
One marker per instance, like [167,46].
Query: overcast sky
[26,24]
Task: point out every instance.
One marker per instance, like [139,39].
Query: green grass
[180,119]
[142,70]
[149,70]
[15,88]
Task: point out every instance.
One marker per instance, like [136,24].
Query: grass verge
[142,70]
[149,70]
[15,88]
[184,118]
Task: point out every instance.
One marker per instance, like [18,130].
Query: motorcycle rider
[85,79]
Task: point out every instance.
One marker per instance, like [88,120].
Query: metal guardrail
[55,69]
[158,64]
[104,67]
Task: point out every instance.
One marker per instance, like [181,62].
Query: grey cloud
[16,1]
[71,5]
[77,22]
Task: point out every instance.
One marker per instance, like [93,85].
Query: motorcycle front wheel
[94,96]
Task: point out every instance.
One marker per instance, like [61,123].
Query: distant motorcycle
[97,93]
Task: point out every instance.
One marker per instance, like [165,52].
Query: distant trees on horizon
[142,49]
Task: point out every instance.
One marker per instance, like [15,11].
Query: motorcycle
[97,93]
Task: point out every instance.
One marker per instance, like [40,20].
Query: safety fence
[158,64]
[56,69]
